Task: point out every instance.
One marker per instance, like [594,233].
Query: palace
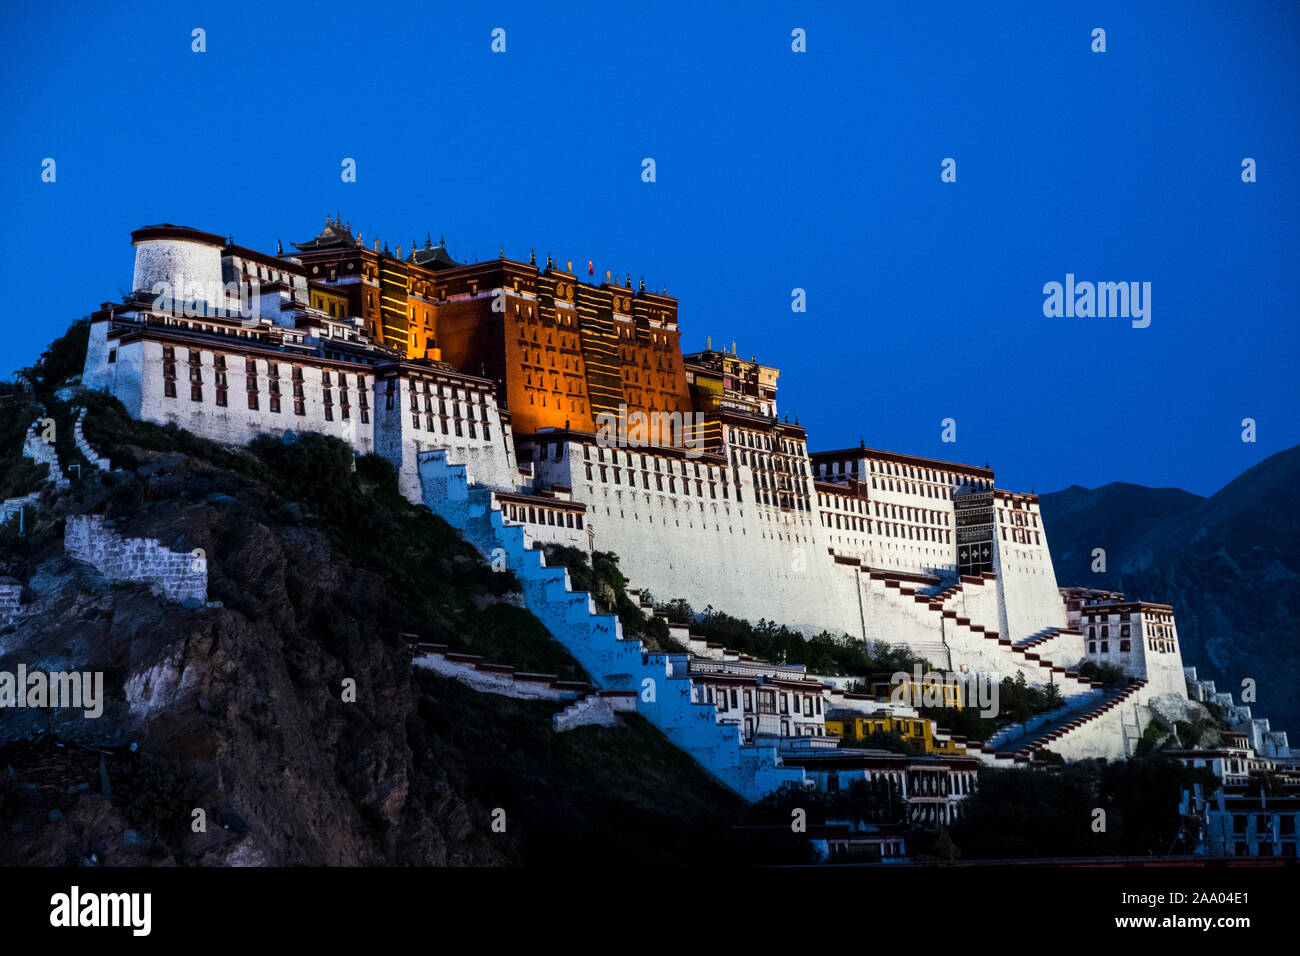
[490,387]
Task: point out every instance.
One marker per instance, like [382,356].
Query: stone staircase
[962,638]
[1064,644]
[35,448]
[83,446]
[1067,723]
[663,691]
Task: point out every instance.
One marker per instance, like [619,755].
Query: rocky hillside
[316,565]
[1230,565]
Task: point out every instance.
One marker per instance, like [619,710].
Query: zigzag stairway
[596,640]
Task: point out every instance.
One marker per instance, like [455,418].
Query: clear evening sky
[775,170]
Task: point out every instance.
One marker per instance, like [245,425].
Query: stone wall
[180,575]
[489,678]
[11,592]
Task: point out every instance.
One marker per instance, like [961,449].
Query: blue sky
[775,170]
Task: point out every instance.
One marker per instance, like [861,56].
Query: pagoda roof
[333,236]
[433,257]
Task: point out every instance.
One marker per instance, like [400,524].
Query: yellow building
[928,691]
[916,730]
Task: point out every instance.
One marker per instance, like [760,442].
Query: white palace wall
[1030,601]
[770,564]
[402,433]
[235,423]
[135,376]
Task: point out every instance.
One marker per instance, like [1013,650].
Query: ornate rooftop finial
[359,241]
[327,220]
[347,226]
[442,240]
[796,419]
[532,257]
[641,288]
[230,239]
[502,253]
[428,240]
[629,280]
[708,343]
[399,250]
[385,246]
[862,442]
[550,264]
[279,248]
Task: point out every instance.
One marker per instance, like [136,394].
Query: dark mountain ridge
[1229,564]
